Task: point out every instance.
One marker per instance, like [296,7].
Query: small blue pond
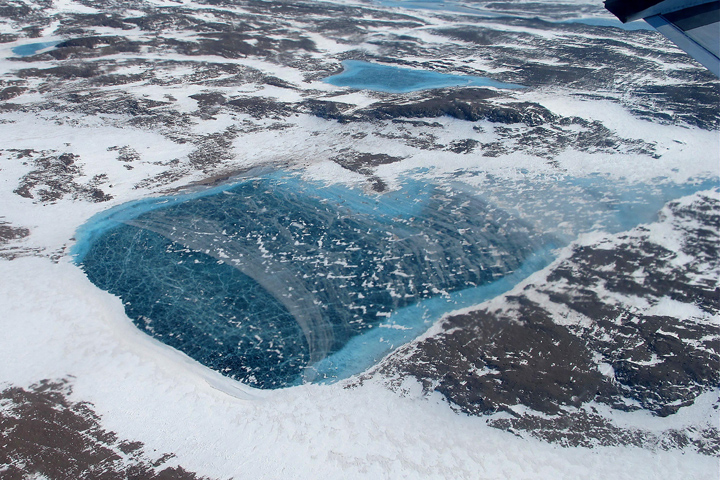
[32,48]
[276,281]
[384,78]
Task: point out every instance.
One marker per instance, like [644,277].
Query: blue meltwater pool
[275,281]
[386,78]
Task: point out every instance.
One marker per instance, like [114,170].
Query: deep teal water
[276,281]
[264,279]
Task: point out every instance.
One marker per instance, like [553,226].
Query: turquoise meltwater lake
[275,281]
[385,78]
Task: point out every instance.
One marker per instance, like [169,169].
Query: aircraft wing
[693,25]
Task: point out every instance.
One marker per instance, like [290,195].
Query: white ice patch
[70,6]
[607,370]
[669,307]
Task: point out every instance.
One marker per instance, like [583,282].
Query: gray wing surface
[693,25]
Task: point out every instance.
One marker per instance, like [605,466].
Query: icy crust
[630,321]
[274,280]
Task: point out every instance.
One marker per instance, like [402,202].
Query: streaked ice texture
[276,281]
[385,78]
[263,279]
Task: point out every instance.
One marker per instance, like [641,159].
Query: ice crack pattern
[276,281]
[264,279]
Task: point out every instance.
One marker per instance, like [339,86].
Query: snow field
[56,324]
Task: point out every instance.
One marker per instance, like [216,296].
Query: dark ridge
[102,20]
[11,92]
[55,176]
[523,354]
[326,109]
[90,42]
[7,37]
[364,163]
[43,433]
[15,11]
[210,98]
[455,105]
[261,107]
[9,233]
[65,72]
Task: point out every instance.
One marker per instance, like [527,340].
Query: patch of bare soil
[42,432]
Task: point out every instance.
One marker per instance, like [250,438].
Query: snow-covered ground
[56,324]
[162,108]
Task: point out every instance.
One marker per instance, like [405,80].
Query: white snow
[56,324]
[70,6]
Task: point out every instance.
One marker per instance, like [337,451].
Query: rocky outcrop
[630,321]
[44,433]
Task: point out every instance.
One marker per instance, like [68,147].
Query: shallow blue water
[384,78]
[32,48]
[276,281]
[576,205]
[364,350]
